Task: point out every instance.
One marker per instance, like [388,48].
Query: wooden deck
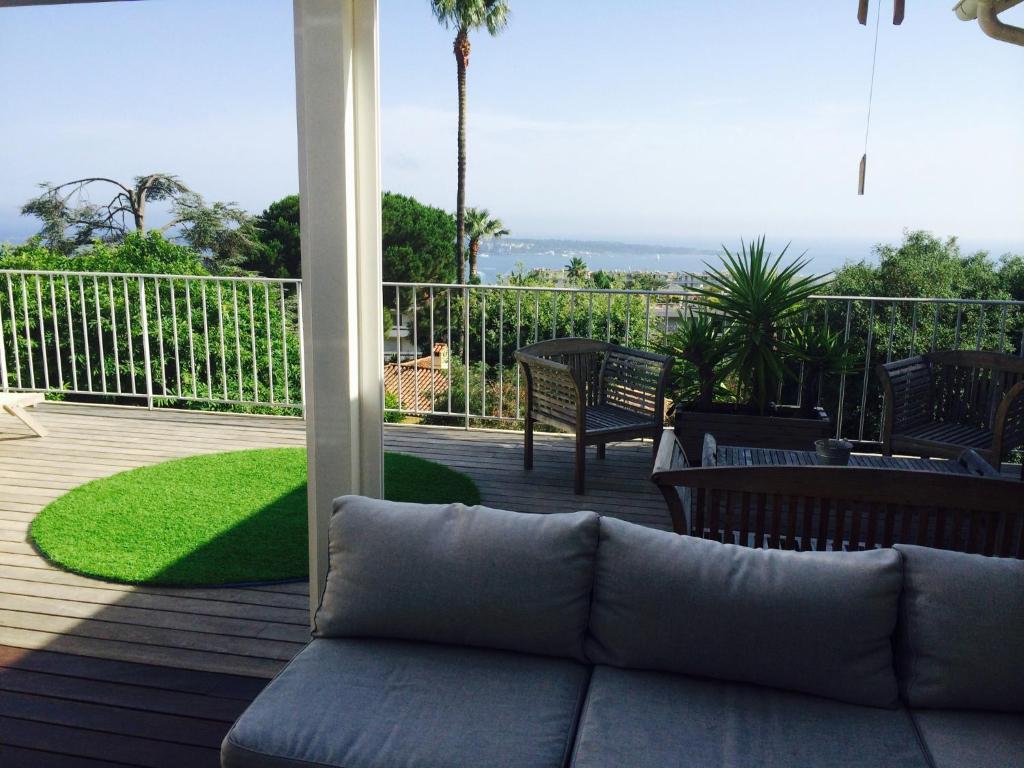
[94,673]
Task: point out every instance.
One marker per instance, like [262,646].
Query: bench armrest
[668,464]
[1008,427]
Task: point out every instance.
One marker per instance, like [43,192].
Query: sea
[503,256]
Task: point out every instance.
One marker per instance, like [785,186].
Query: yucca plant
[701,361]
[757,297]
[821,351]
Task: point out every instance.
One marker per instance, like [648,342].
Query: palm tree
[480,225]
[465,16]
[576,270]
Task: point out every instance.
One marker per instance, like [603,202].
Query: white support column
[336,73]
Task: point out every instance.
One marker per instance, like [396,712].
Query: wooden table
[739,456]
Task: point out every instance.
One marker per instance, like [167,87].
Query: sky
[655,122]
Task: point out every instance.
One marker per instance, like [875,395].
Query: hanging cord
[871,96]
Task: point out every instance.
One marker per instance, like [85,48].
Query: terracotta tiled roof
[415,377]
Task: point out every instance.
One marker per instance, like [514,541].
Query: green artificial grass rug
[226,518]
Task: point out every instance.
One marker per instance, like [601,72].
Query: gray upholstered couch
[453,636]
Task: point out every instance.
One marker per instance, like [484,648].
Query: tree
[646,281]
[466,16]
[924,266]
[576,271]
[416,241]
[601,279]
[278,230]
[480,225]
[71,220]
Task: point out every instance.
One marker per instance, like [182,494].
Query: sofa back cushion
[817,622]
[459,575]
[961,630]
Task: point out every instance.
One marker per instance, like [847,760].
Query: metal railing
[161,339]
[226,342]
[484,325]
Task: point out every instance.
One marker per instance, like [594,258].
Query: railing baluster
[85,330]
[913,331]
[302,346]
[270,345]
[206,342]
[28,333]
[430,351]
[647,323]
[14,335]
[146,360]
[128,331]
[284,349]
[42,331]
[935,327]
[4,385]
[56,332]
[157,302]
[892,331]
[99,333]
[590,315]
[840,408]
[519,340]
[867,370]
[238,340]
[223,342]
[113,334]
[415,352]
[449,340]
[252,338]
[501,355]
[465,351]
[483,354]
[1002,329]
[177,348]
[191,339]
[398,346]
[608,319]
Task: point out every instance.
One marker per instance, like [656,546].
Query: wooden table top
[732,455]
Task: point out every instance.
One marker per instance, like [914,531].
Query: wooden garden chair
[599,391]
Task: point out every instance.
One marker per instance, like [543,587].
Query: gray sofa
[454,636]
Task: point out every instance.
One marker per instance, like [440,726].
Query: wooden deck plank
[99,673]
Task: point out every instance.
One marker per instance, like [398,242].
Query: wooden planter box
[786,429]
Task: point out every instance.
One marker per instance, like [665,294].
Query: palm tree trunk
[474,251]
[462,62]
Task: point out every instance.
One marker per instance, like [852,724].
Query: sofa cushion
[817,622]
[960,738]
[459,575]
[961,630]
[385,703]
[653,719]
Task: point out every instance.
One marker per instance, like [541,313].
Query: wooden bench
[940,403]
[599,391]
[826,507]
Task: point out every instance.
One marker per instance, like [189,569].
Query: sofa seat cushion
[459,575]
[657,720]
[961,630]
[960,738]
[389,703]
[814,622]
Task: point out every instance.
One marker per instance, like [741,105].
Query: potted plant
[736,345]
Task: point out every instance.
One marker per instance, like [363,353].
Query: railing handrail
[154,275]
[541,288]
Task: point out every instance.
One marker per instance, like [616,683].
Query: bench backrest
[961,386]
[824,507]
